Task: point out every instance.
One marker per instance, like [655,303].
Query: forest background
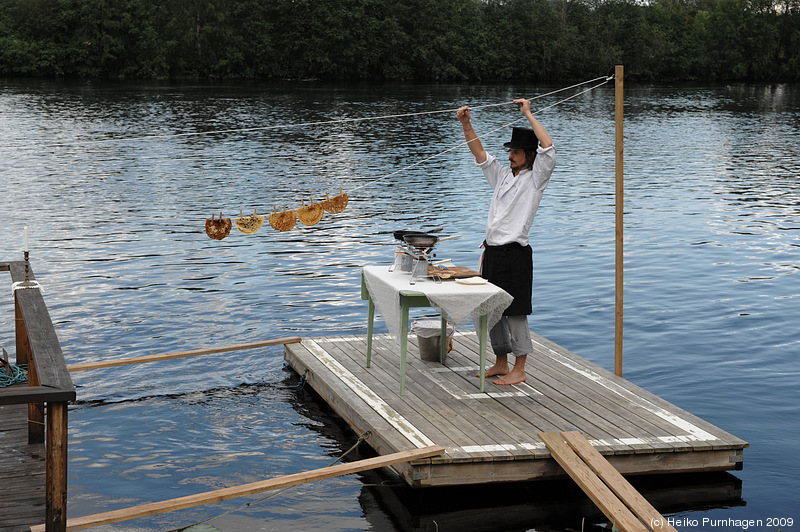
[408,40]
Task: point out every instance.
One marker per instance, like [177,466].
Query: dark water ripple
[116,196]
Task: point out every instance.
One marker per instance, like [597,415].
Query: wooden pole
[56,468]
[618,77]
[182,354]
[224,494]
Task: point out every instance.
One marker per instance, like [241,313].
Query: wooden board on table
[452,272]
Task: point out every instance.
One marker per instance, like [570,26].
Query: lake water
[115,186]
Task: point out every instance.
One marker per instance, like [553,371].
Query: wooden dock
[493,436]
[22,470]
[32,441]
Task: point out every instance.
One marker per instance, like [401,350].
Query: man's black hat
[522,139]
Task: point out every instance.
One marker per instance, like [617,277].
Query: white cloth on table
[455,300]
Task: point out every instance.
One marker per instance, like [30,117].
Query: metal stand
[27,283]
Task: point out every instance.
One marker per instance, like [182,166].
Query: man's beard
[520,167]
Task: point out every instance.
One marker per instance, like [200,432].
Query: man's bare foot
[497,369]
[515,377]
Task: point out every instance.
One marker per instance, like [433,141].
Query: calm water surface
[115,184]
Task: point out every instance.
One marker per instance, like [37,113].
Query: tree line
[401,40]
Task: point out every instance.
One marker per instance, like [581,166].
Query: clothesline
[504,126]
[298,124]
[223,232]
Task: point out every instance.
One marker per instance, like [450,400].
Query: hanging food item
[310,214]
[249,224]
[218,229]
[336,204]
[282,221]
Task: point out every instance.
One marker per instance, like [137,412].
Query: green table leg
[483,334]
[370,324]
[443,341]
[403,343]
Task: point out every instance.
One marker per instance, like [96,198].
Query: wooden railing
[48,393]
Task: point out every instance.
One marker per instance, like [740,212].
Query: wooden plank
[510,433]
[44,345]
[632,420]
[525,413]
[21,394]
[385,438]
[182,354]
[590,483]
[574,413]
[659,408]
[614,480]
[471,429]
[252,488]
[386,384]
[22,472]
[384,388]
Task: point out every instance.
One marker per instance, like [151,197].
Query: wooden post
[56,468]
[24,356]
[618,77]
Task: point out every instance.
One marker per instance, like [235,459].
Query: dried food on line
[310,214]
[336,204]
[249,224]
[218,229]
[283,221]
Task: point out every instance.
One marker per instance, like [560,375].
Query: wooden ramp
[614,496]
[493,436]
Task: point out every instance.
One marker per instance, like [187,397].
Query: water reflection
[553,505]
[117,238]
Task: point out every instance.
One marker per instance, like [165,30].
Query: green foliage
[411,40]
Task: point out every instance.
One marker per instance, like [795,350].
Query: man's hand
[463,114]
[524,106]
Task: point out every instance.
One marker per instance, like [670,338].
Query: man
[508,258]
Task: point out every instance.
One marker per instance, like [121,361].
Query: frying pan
[425,240]
[400,234]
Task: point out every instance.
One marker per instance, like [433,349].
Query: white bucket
[429,335]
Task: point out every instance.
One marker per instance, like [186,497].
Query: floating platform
[492,437]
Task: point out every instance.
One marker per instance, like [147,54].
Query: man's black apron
[510,267]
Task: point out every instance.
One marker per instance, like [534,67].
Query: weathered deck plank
[493,436]
[22,471]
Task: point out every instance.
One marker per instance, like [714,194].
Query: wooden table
[417,298]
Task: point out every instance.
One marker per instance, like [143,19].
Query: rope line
[504,126]
[300,124]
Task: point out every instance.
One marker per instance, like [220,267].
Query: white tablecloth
[457,301]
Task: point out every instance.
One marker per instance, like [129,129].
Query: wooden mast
[618,79]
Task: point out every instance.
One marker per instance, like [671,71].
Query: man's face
[517,160]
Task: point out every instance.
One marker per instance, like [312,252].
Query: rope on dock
[12,374]
[299,385]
